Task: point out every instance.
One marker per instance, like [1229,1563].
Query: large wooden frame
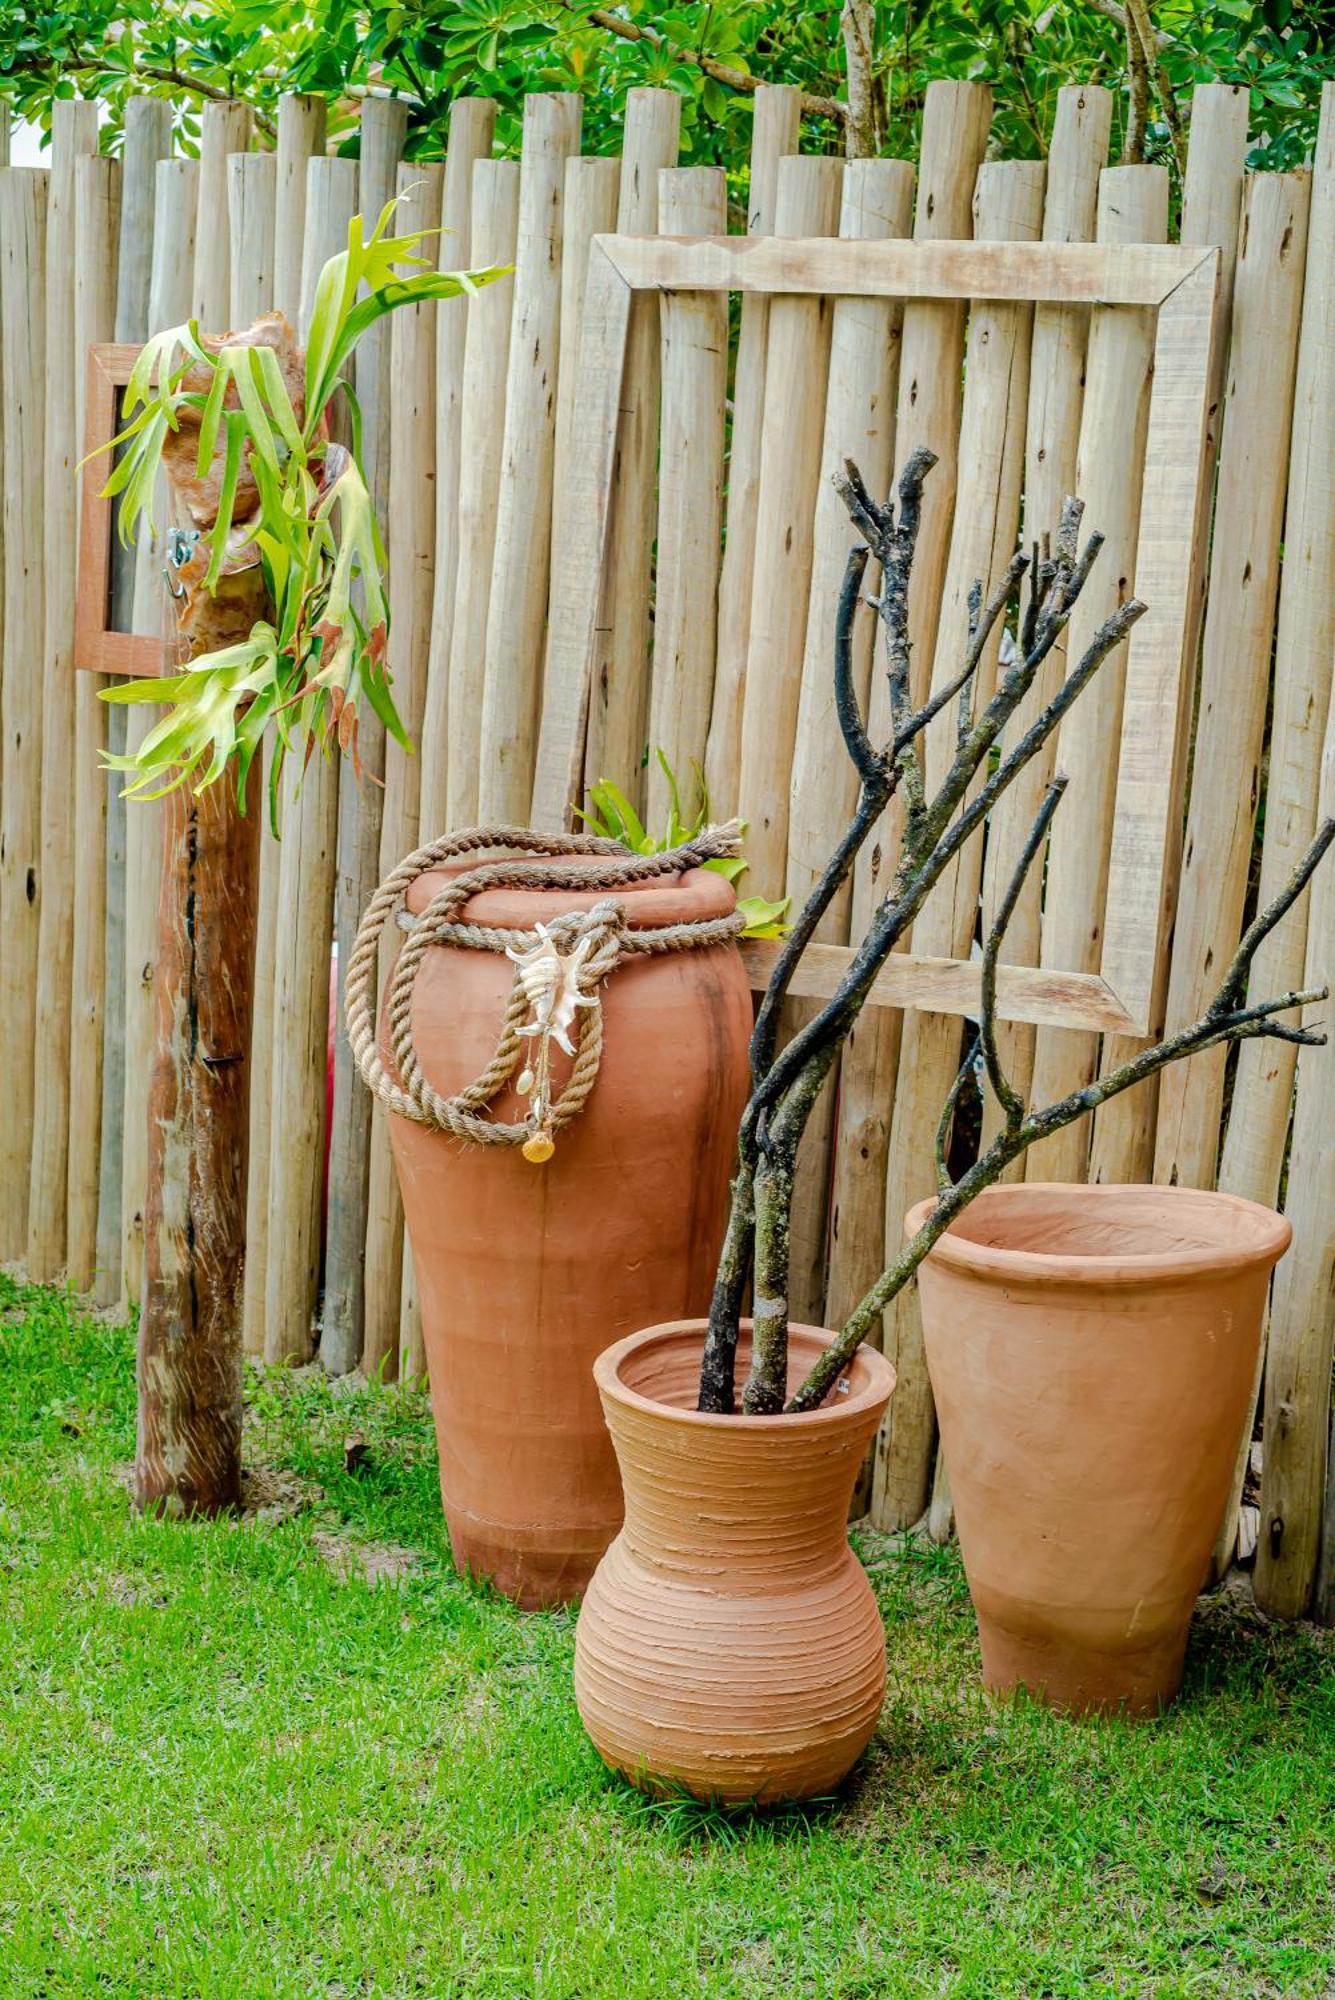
[1181,284]
[98,648]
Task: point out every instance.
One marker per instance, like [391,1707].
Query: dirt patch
[374,1562]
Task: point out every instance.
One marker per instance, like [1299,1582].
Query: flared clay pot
[525,1271]
[729,1645]
[1092,1351]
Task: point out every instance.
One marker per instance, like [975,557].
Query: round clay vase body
[525,1271]
[729,1644]
[1092,1351]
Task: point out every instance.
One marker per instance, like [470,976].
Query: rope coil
[602,931]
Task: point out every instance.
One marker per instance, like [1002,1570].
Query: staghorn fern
[313,531]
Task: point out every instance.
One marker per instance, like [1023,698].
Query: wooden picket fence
[724,452]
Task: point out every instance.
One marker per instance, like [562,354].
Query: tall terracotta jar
[525,1272]
[1092,1351]
[729,1643]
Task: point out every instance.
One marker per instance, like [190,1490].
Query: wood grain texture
[775,132]
[520,565]
[301,132]
[23,221]
[482,421]
[73,134]
[1008,203]
[619,691]
[692,201]
[224,129]
[1235,660]
[796,369]
[175,201]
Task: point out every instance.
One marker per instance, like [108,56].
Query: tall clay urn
[530,1259]
[1092,1351]
[730,1645]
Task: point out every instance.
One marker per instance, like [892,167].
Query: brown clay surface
[729,1642]
[525,1273]
[1092,1352]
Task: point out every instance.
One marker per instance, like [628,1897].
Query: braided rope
[610,939]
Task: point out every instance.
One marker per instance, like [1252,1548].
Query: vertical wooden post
[956,117]
[176,191]
[472,124]
[225,128]
[692,201]
[518,600]
[1008,206]
[1122,1144]
[796,366]
[23,211]
[303,934]
[384,131]
[148,139]
[282,224]
[776,124]
[482,421]
[73,132]
[1076,158]
[619,696]
[1133,208]
[859,422]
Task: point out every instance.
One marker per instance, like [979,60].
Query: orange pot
[525,1272]
[729,1642]
[1092,1351]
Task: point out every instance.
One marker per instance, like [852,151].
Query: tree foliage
[431,51]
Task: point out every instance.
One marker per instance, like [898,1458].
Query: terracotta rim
[607,1374]
[686,897]
[1265,1238]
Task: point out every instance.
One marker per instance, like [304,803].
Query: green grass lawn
[294,1755]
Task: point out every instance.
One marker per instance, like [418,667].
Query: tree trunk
[188,1457]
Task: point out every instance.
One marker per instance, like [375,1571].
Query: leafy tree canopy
[431,51]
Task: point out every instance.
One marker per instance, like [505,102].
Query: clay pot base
[1075,1683]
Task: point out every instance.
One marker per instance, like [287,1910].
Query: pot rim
[1273,1234]
[607,1375]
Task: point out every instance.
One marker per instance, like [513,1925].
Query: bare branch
[1003,1090]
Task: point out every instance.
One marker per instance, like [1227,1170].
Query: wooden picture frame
[99,649]
[1181,285]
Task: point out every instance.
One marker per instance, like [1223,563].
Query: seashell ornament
[549,979]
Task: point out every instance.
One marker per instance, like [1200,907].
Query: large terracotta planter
[729,1643]
[524,1272]
[1092,1351]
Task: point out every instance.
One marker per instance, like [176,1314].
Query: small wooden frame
[1181,284]
[97,647]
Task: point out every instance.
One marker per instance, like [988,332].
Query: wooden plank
[472,124]
[97,198]
[412,518]
[692,201]
[776,126]
[877,199]
[1302,1322]
[1122,1144]
[1008,204]
[1076,158]
[619,693]
[175,201]
[1304,647]
[73,133]
[23,213]
[303,939]
[520,565]
[148,138]
[1133,207]
[225,128]
[384,129]
[301,132]
[573,614]
[482,421]
[1071,273]
[946,985]
[796,368]
[956,117]
[1235,661]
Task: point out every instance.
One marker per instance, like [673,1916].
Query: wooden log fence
[725,545]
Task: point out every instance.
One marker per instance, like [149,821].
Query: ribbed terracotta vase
[524,1272]
[729,1644]
[1092,1352]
